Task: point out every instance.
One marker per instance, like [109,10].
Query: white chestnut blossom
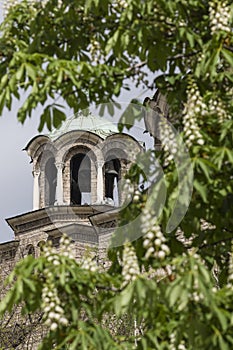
[123,4]
[89,263]
[173,345]
[54,256]
[220,15]
[230,269]
[66,247]
[51,306]
[130,269]
[95,50]
[194,109]
[136,196]
[172,341]
[128,190]
[169,142]
[8,4]
[153,240]
[196,294]
[216,106]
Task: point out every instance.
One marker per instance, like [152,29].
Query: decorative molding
[110,224]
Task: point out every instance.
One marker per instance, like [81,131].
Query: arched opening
[30,250]
[55,240]
[112,176]
[41,245]
[80,170]
[50,181]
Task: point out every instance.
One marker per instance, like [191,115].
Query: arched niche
[80,179]
[50,183]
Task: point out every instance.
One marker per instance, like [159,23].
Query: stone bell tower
[77,172]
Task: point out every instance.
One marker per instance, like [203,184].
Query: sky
[16,180]
[16,172]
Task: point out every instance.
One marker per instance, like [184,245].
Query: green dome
[90,122]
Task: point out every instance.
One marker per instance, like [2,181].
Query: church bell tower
[77,171]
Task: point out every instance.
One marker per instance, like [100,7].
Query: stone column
[36,190]
[59,188]
[116,192]
[100,179]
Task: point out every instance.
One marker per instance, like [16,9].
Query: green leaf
[205,274]
[60,76]
[222,343]
[4,81]
[2,100]
[30,284]
[210,65]
[123,300]
[229,154]
[58,117]
[31,71]
[45,119]
[206,166]
[112,42]
[201,189]
[20,72]
[110,108]
[190,38]
[35,89]
[8,98]
[228,56]
[220,313]
[175,293]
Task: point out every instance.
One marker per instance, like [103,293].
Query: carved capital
[99,163]
[36,173]
[59,165]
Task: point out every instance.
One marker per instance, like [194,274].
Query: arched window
[30,250]
[55,240]
[112,172]
[41,245]
[50,182]
[80,186]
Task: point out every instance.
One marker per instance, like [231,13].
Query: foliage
[85,51]
[162,307]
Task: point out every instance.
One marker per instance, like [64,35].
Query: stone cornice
[39,219]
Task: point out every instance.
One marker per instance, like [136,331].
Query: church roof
[97,125]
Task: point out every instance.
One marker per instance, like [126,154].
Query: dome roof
[90,122]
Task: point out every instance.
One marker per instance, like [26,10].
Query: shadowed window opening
[80,179]
[30,250]
[55,240]
[51,182]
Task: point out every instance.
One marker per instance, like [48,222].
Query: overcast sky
[16,181]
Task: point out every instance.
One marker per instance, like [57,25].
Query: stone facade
[89,226]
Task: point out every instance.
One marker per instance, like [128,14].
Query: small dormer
[82,163]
